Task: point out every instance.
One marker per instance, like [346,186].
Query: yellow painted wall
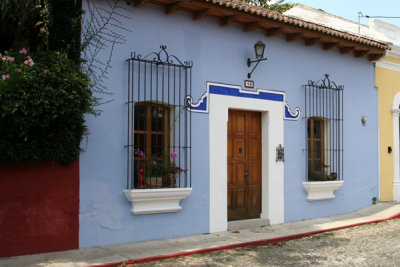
[393,60]
[388,83]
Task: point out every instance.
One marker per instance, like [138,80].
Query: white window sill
[321,190]
[150,201]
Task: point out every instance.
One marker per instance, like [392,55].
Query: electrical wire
[384,17]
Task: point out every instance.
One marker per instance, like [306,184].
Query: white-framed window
[324,130]
[319,153]
[159,122]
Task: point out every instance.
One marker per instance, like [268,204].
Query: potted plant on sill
[173,170]
[154,174]
[159,200]
[320,173]
[157,171]
[321,183]
[149,173]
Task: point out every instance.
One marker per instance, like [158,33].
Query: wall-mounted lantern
[280,153]
[259,48]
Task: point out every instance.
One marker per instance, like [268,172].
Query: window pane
[140,118]
[317,149]
[317,165]
[157,119]
[317,129]
[157,145]
[140,142]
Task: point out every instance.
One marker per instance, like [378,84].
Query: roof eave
[257,18]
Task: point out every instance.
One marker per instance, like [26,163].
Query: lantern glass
[259,49]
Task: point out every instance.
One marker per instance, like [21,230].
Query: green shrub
[43,99]
[25,23]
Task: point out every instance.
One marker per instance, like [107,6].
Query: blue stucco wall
[219,54]
[361,163]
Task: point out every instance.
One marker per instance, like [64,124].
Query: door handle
[246,175]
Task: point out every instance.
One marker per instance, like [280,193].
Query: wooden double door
[244,165]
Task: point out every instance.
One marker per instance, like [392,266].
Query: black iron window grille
[159,123]
[324,130]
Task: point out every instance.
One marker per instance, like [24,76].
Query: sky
[349,8]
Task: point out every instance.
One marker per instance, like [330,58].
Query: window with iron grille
[324,130]
[159,123]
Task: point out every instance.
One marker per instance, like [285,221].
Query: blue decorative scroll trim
[231,90]
[291,116]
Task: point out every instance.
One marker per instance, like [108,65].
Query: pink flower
[4,77]
[23,51]
[11,59]
[4,58]
[154,162]
[140,153]
[29,62]
[174,155]
[29,58]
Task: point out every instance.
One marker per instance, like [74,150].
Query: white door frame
[271,104]
[396,148]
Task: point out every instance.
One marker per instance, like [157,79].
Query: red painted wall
[39,208]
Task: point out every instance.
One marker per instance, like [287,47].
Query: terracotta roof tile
[269,14]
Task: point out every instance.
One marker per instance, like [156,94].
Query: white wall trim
[202,106]
[272,190]
[150,201]
[388,65]
[396,152]
[395,52]
[321,190]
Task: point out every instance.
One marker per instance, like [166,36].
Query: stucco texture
[388,83]
[219,55]
[39,208]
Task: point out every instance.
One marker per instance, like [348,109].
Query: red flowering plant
[140,168]
[149,171]
[173,170]
[320,173]
[322,166]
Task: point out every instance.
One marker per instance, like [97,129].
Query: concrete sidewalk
[145,251]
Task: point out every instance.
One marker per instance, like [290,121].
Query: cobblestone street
[376,244]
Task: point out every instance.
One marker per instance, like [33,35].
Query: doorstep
[247,224]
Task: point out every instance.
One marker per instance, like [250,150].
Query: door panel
[239,124]
[240,153]
[254,149]
[254,173]
[240,174]
[244,165]
[230,173]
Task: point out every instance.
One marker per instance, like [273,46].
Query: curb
[256,243]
